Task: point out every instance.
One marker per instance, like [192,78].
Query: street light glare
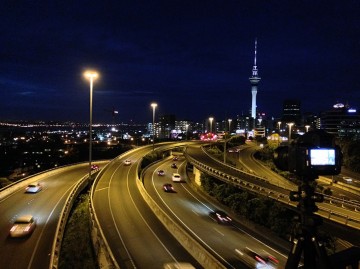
[154,105]
[91,74]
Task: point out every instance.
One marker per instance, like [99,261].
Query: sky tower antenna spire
[254,80]
[255,72]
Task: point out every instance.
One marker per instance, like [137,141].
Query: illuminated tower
[254,80]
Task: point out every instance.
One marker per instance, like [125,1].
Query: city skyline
[193,60]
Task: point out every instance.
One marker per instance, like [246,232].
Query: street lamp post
[91,76]
[229,120]
[154,105]
[290,125]
[211,120]
[279,124]
[307,127]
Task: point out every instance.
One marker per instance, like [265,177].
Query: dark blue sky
[194,58]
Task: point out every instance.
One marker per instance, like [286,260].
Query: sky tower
[254,80]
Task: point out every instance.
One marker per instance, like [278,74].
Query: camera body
[312,154]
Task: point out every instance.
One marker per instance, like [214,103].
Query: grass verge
[76,250]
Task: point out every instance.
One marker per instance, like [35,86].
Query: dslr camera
[310,155]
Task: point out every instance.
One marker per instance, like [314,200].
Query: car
[161,172]
[262,259]
[168,187]
[173,165]
[178,265]
[94,167]
[127,162]
[23,226]
[33,187]
[347,179]
[176,158]
[220,217]
[176,177]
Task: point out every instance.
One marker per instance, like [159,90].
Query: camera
[310,155]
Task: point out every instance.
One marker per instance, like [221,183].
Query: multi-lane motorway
[133,233]
[136,237]
[34,252]
[227,242]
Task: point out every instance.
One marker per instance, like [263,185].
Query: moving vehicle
[33,187]
[176,158]
[347,179]
[178,265]
[176,177]
[173,165]
[160,172]
[264,258]
[127,162]
[23,226]
[168,187]
[94,167]
[220,217]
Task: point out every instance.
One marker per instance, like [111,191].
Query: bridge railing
[242,183]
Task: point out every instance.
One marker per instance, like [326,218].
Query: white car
[23,226]
[176,177]
[347,179]
[127,162]
[33,187]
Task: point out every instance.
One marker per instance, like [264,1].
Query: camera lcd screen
[322,157]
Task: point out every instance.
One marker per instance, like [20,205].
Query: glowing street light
[153,105]
[211,120]
[290,124]
[229,120]
[307,127]
[279,124]
[91,76]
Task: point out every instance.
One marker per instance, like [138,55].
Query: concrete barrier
[204,257]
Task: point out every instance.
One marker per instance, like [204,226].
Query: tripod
[305,238]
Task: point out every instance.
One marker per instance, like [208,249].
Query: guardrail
[22,183]
[102,249]
[281,197]
[64,215]
[327,198]
[204,257]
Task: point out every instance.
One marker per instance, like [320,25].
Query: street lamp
[290,124]
[91,76]
[229,120]
[153,105]
[211,120]
[307,127]
[279,124]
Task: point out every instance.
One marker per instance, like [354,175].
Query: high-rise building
[341,121]
[292,111]
[254,80]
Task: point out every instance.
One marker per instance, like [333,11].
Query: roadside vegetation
[261,210]
[76,250]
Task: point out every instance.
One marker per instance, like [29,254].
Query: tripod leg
[324,262]
[295,254]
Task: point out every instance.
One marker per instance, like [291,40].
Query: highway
[136,237]
[270,178]
[45,206]
[191,210]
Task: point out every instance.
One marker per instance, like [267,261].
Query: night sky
[194,58]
